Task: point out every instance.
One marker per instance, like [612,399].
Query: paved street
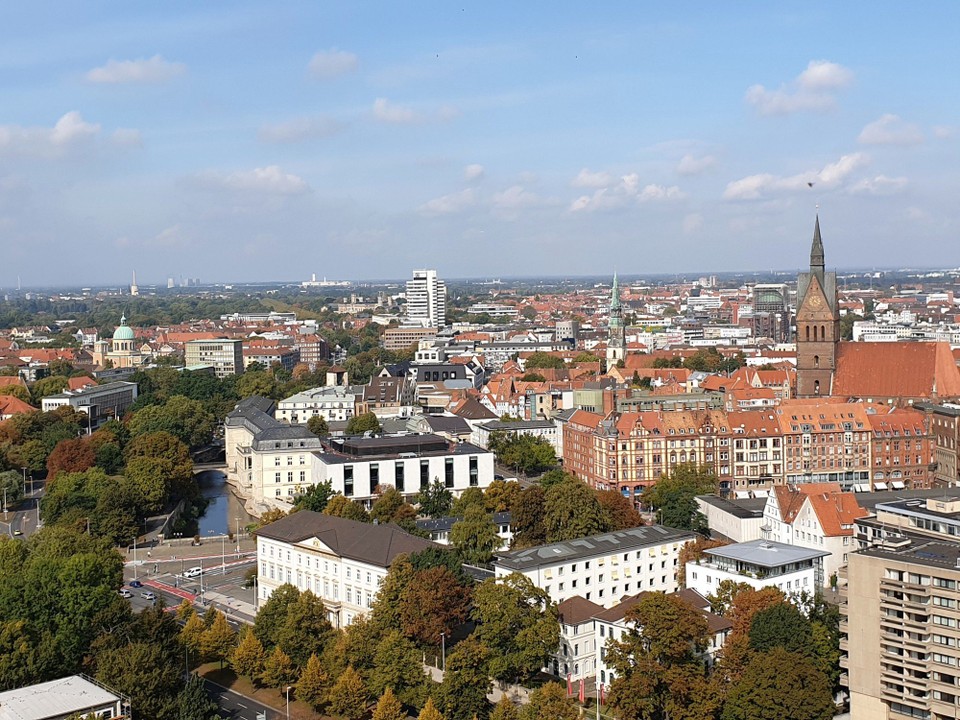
[22,519]
[240,706]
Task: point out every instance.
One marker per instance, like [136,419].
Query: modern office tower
[226,356]
[426,299]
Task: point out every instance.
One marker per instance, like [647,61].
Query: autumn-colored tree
[506,710]
[659,669]
[191,635]
[780,684]
[475,537]
[430,712]
[249,657]
[219,639]
[344,507]
[619,511]
[736,651]
[17,391]
[271,515]
[313,686]
[70,456]
[500,495]
[278,670]
[185,611]
[390,506]
[348,698]
[354,646]
[434,602]
[527,517]
[389,707]
[550,701]
[386,606]
[693,551]
[721,600]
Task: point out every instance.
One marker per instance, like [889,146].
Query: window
[474,472]
[448,473]
[399,476]
[348,480]
[424,474]
[374,477]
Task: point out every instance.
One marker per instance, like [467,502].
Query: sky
[254,141]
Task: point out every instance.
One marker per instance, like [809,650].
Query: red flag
[601,693]
[569,685]
[581,691]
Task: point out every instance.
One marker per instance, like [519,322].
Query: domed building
[122,351]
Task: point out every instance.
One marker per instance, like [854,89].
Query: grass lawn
[268,696]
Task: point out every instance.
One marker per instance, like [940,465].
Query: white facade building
[333,403]
[426,299]
[546,429]
[759,564]
[100,402]
[601,568]
[343,562]
[576,657]
[739,520]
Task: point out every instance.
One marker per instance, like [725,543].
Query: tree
[193,703]
[527,518]
[397,664]
[344,507]
[316,497]
[430,712]
[780,684]
[501,495]
[314,684]
[505,710]
[618,510]
[571,511]
[145,673]
[363,423]
[722,600]
[318,426]
[305,630]
[533,377]
[349,696]
[219,639]
[783,626]
[273,614]
[48,386]
[148,476]
[391,507]
[466,682]
[74,455]
[278,670]
[389,707]
[475,536]
[674,496]
[178,465]
[191,635]
[184,418]
[518,622]
[470,496]
[524,453]
[433,602]
[249,657]
[542,360]
[435,500]
[694,551]
[17,391]
[11,484]
[586,357]
[659,670]
[550,701]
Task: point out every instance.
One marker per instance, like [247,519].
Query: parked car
[125,593]
[147,595]
[136,584]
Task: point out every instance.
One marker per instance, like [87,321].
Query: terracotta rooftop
[897,369]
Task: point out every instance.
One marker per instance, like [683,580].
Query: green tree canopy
[187,420]
[518,622]
[316,497]
[435,500]
[318,426]
[780,684]
[475,536]
[466,682]
[365,422]
[542,360]
[571,511]
[674,496]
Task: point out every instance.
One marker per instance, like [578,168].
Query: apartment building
[226,356]
[100,402]
[900,621]
[576,658]
[945,435]
[343,562]
[826,442]
[758,563]
[406,336]
[334,403]
[601,568]
[426,300]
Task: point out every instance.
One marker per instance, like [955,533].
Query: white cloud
[71,130]
[172,236]
[449,204]
[514,198]
[692,223]
[473,173]
[944,132]
[388,112]
[814,89]
[879,185]
[141,71]
[588,178]
[691,165]
[890,130]
[328,64]
[127,137]
[300,129]
[269,180]
[755,187]
[626,191]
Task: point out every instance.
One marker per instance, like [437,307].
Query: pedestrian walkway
[516,693]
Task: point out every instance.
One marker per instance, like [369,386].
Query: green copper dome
[124,331]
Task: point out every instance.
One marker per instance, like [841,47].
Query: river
[224,508]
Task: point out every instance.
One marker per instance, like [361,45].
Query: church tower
[818,324]
[616,333]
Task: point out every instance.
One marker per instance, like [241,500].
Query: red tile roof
[896,369]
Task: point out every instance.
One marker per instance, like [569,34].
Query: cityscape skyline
[485,140]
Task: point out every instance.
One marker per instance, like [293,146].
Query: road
[240,706]
[24,518]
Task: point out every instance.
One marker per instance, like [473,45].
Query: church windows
[808,332]
[816,387]
[823,332]
[816,361]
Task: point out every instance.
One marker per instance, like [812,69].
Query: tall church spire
[816,252]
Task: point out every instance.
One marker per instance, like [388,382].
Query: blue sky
[265,141]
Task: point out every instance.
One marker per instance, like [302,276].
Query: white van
[193,572]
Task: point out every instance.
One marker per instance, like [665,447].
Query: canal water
[223,509]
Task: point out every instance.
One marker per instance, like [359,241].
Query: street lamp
[134,557]
[289,688]
[223,553]
[443,649]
